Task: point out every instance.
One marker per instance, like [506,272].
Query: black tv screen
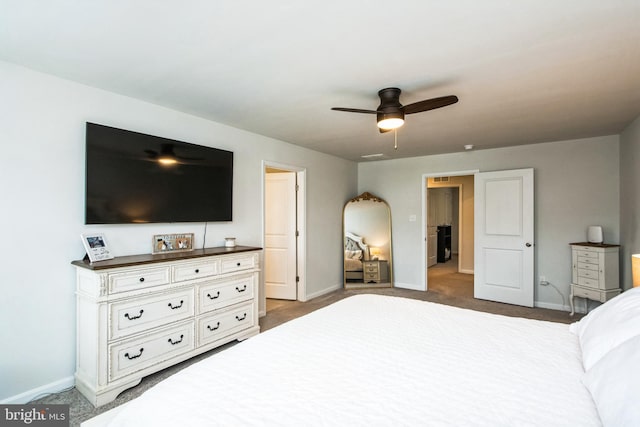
[136,178]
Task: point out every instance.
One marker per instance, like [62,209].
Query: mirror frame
[366,196]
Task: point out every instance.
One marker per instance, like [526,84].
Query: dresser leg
[571,297]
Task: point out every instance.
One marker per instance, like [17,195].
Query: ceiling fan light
[391,123]
[167,160]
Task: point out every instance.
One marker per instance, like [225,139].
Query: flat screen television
[132,177]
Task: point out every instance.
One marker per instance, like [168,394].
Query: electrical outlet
[543,281]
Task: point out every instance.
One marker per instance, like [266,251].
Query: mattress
[374,360]
[352,264]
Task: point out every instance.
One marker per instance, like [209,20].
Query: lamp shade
[635,269]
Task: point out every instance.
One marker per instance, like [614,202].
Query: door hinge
[297,233]
[297,279]
[297,187]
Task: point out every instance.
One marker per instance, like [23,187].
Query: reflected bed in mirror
[366,226]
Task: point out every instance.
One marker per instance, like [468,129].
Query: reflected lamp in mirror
[635,269]
[375,253]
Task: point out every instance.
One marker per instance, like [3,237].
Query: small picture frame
[96,246]
[163,243]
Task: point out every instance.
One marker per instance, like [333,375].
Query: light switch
[412,218]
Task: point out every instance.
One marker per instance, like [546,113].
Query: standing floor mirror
[366,226]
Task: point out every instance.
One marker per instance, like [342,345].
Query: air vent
[441,179]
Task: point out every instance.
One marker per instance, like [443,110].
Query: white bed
[374,360]
[355,251]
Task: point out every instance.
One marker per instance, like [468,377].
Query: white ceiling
[525,71]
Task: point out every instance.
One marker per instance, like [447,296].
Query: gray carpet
[445,286]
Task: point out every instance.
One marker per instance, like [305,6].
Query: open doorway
[449,233]
[284,265]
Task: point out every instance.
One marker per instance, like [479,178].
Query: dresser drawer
[371,268]
[195,270]
[585,281]
[245,262]
[370,276]
[587,266]
[588,260]
[220,325]
[592,294]
[139,279]
[136,315]
[587,254]
[223,293]
[135,355]
[591,274]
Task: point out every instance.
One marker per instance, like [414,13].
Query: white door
[280,236]
[504,236]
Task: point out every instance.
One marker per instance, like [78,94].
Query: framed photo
[163,243]
[96,247]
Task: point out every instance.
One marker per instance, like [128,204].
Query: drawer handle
[241,290]
[213,329]
[210,297]
[136,356]
[141,279]
[238,264]
[134,317]
[170,305]
[172,342]
[240,319]
[197,270]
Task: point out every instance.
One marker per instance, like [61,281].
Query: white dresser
[139,314]
[375,271]
[595,272]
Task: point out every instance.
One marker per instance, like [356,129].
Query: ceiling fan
[390,113]
[168,157]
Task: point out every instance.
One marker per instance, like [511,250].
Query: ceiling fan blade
[430,104]
[354,110]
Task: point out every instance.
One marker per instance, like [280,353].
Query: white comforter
[372,360]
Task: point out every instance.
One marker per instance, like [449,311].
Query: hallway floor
[443,278]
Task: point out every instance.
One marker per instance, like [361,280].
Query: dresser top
[595,245]
[126,261]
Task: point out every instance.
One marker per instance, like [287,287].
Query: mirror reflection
[366,223]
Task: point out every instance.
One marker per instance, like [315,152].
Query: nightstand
[595,272]
[376,271]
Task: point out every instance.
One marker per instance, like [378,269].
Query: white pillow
[614,384]
[608,326]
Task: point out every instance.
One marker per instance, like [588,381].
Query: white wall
[629,198]
[576,185]
[42,119]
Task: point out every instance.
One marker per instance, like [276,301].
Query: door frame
[425,213]
[460,226]
[301,203]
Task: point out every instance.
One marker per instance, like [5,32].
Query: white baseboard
[463,271]
[412,286]
[552,306]
[38,392]
[323,292]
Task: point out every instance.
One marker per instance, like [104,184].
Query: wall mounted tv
[136,178]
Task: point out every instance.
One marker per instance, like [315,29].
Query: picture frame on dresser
[163,243]
[96,246]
